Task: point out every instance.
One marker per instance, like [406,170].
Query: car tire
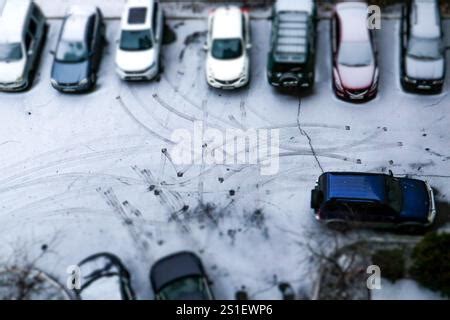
[316,198]
[338,225]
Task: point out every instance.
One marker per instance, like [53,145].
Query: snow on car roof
[75,25]
[13,14]
[294,5]
[291,33]
[353,18]
[227,23]
[129,21]
[426,22]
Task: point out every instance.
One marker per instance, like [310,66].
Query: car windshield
[10,52]
[287,67]
[71,51]
[189,288]
[355,54]
[225,49]
[394,193]
[136,40]
[425,49]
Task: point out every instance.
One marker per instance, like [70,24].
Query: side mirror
[391,173]
[249,46]
[30,52]
[205,47]
[52,52]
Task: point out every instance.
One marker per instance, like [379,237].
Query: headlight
[409,80]
[438,81]
[54,82]
[278,74]
[337,81]
[83,82]
[19,79]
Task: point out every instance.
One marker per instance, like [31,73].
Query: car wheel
[338,225]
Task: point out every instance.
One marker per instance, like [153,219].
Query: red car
[355,70]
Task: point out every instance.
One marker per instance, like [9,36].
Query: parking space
[86,173]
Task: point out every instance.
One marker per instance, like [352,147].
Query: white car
[23,31]
[227,46]
[139,46]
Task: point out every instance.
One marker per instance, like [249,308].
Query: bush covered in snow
[391,263]
[431,262]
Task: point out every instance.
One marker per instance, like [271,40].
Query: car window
[10,52]
[394,193]
[225,49]
[32,27]
[28,40]
[355,54]
[190,288]
[136,40]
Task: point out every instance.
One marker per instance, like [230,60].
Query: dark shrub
[391,263]
[431,262]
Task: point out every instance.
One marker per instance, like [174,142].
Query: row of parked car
[180,276]
[291,60]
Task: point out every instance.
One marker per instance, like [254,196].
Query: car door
[377,215]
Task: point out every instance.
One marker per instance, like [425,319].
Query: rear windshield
[10,52]
[136,40]
[355,54]
[287,67]
[225,49]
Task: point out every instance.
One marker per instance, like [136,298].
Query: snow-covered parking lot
[86,173]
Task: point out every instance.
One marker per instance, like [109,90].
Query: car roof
[137,15]
[353,19]
[426,22]
[227,23]
[355,186]
[295,5]
[13,15]
[176,266]
[76,22]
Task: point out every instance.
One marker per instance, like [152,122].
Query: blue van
[349,199]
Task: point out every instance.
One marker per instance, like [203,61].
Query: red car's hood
[356,77]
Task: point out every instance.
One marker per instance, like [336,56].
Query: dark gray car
[79,50]
[180,276]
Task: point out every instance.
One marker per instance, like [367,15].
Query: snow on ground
[85,173]
[403,290]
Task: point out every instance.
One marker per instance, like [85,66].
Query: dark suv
[347,199]
[422,65]
[291,59]
[79,50]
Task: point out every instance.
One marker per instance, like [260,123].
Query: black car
[104,277]
[291,60]
[180,276]
[79,50]
[352,199]
[422,65]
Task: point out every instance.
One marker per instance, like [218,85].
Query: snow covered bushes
[431,262]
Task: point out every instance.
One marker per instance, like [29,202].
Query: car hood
[356,77]
[425,69]
[11,71]
[135,61]
[226,70]
[70,72]
[416,201]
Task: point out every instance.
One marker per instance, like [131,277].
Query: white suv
[139,46]
[227,46]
